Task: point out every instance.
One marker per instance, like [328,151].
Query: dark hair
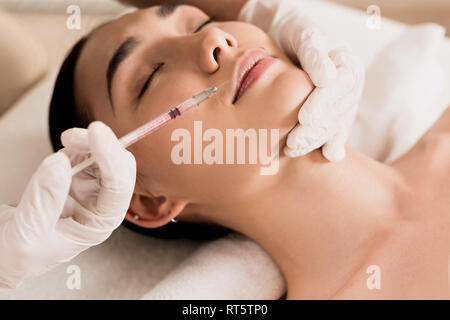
[63,114]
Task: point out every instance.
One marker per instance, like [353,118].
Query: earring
[171,219]
[136,217]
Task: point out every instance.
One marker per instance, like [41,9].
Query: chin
[289,92]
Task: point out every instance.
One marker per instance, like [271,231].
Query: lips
[248,69]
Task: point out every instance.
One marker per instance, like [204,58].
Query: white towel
[233,267]
[403,94]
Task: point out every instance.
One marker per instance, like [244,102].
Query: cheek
[199,181]
[278,102]
[290,90]
[289,93]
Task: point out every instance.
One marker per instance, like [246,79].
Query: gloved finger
[76,140]
[293,153]
[117,168]
[334,149]
[76,146]
[343,56]
[90,218]
[352,67]
[313,55]
[304,139]
[71,238]
[81,233]
[325,104]
[44,198]
[315,106]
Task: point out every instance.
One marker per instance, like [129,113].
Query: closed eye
[204,24]
[149,79]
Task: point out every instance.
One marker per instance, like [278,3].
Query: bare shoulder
[441,126]
[414,261]
[432,150]
[426,166]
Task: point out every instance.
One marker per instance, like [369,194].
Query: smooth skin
[323,222]
[221,10]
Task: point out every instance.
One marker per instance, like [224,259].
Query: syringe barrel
[196,100]
[202,96]
[145,129]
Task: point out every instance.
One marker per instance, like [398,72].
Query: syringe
[155,124]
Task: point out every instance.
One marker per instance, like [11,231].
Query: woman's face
[189,61]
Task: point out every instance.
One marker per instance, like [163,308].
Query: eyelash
[149,79]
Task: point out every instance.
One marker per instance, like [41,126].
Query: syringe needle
[222,84]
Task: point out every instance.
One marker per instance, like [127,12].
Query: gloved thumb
[44,198]
[334,149]
[76,140]
[117,168]
[313,53]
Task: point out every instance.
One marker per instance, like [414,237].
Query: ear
[153,211]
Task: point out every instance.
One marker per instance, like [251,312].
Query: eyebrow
[130,44]
[167,9]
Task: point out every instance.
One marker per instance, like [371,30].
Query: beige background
[50,26]
[408,11]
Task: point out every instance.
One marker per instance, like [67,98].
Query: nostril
[215,53]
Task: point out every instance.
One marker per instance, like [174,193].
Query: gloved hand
[59,216]
[327,115]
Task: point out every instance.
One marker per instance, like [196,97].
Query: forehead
[157,16]
[141,23]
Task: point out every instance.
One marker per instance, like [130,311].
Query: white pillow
[401,96]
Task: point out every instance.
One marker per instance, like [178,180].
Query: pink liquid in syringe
[156,123]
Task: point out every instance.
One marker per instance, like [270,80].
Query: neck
[316,215]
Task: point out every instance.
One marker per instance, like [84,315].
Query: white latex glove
[59,216]
[326,117]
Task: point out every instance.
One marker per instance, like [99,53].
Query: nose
[214,46]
